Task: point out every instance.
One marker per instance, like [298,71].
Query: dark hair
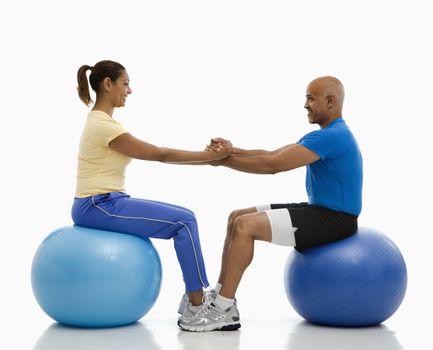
[100,71]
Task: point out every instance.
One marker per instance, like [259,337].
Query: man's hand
[221,141]
[219,145]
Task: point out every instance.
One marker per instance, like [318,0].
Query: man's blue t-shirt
[335,180]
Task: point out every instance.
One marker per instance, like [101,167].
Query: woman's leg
[145,218]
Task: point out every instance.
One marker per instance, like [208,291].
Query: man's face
[316,104]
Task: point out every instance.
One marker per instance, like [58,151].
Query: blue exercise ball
[355,282]
[93,278]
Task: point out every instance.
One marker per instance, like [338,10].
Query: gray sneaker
[183,304]
[188,313]
[211,318]
[185,300]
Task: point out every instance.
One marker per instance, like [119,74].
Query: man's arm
[285,158]
[240,152]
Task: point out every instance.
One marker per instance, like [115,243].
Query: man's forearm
[240,152]
[259,164]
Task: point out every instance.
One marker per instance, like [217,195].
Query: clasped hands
[220,145]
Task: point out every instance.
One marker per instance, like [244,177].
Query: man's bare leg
[230,223]
[246,229]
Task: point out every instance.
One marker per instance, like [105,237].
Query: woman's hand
[220,146]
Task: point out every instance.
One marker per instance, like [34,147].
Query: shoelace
[207,306]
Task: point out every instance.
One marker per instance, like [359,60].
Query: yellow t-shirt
[100,169]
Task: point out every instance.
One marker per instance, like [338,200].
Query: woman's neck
[104,107]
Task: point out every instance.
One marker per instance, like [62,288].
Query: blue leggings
[117,211]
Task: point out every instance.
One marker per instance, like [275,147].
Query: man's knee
[233,216]
[239,212]
[242,227]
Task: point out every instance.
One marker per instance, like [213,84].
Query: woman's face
[120,90]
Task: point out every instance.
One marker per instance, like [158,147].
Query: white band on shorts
[263,207]
[283,232]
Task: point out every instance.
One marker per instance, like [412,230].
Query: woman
[105,150]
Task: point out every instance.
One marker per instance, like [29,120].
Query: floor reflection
[209,341]
[133,337]
[163,334]
[308,336]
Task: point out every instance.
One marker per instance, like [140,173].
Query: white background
[200,69]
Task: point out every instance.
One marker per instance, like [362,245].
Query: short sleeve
[325,143]
[108,130]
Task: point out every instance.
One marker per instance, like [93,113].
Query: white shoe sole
[209,328]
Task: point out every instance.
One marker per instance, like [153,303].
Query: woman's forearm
[177,156]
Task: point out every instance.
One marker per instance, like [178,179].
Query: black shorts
[318,225]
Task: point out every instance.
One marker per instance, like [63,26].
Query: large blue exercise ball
[355,282]
[93,278]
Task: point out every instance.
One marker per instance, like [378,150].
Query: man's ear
[330,100]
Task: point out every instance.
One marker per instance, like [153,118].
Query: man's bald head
[328,86]
[324,100]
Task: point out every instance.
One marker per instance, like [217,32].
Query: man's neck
[329,120]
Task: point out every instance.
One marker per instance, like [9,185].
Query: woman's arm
[132,147]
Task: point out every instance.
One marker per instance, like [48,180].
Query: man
[334,187]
